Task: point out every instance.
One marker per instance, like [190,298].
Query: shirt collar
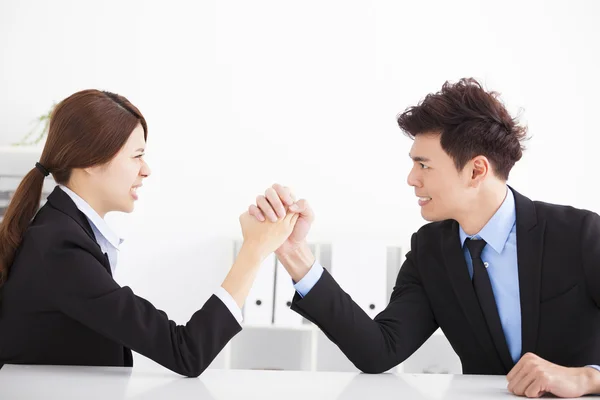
[95,219]
[498,228]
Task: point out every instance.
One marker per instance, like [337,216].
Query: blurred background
[239,95]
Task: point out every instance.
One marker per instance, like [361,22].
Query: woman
[59,302]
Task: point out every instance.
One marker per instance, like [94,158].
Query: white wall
[239,95]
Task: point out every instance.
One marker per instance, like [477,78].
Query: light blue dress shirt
[109,243]
[500,254]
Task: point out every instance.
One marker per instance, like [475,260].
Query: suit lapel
[106,263]
[460,280]
[530,243]
[63,203]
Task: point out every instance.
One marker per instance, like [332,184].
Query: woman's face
[115,183]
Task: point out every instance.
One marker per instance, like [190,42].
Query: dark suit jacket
[60,305]
[558,250]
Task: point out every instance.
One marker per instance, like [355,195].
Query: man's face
[442,190]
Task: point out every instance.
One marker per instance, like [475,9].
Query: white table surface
[62,383]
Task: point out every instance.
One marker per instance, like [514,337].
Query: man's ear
[480,168]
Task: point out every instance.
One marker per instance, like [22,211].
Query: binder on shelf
[322,252]
[360,267]
[284,293]
[394,262]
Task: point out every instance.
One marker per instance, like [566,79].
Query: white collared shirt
[106,238]
[109,243]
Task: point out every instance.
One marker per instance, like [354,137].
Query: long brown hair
[471,122]
[87,128]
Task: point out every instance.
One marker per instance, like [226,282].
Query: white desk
[63,383]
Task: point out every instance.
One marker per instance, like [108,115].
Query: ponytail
[21,210]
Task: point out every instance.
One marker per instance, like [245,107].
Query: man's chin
[430,218]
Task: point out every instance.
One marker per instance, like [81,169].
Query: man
[514,284]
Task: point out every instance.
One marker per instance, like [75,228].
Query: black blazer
[60,305]
[558,250]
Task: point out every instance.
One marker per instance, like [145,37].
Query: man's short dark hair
[471,122]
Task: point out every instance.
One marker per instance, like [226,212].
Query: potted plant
[39,131]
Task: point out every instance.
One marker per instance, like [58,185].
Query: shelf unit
[304,347]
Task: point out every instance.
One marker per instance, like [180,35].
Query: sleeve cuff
[596,367]
[310,279]
[230,303]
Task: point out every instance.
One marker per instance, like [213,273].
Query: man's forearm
[297,261]
[592,380]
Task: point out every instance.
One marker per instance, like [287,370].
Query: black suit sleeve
[377,345]
[80,287]
[590,249]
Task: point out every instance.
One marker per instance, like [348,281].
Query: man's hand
[533,377]
[274,204]
[294,253]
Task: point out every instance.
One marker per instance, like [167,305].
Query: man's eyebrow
[419,158]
